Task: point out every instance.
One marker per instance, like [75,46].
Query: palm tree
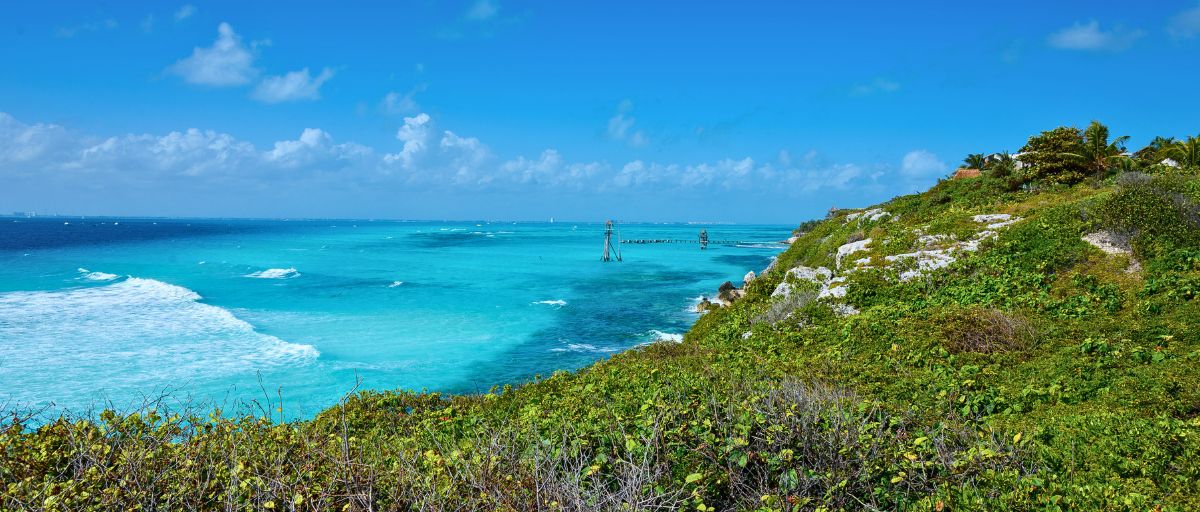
[973,161]
[1003,167]
[1185,152]
[1154,152]
[1097,152]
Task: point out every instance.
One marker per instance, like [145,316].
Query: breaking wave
[275,273]
[129,336]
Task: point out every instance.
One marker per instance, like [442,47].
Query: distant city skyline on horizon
[767,112]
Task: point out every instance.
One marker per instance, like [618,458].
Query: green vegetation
[1037,372]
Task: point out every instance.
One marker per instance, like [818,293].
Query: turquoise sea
[110,312]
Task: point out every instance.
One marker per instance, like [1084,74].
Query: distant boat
[552,220]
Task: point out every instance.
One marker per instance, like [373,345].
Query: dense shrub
[784,307]
[1155,211]
[1052,156]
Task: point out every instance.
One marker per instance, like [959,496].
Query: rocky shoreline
[727,293]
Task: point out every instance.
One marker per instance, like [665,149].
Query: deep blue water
[108,311]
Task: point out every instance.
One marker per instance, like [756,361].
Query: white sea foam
[556,303]
[127,337]
[95,276]
[275,273]
[666,336]
[583,347]
[395,284]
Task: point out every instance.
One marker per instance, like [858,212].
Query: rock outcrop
[851,248]
[728,293]
[931,252]
[1116,244]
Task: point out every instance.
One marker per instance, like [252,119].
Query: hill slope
[963,348]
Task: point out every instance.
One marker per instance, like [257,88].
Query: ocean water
[112,312]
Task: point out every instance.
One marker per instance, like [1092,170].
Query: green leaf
[693,478]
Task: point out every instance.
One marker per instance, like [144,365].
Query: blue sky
[496,109]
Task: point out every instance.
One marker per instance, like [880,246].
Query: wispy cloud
[921,165]
[228,62]
[185,12]
[483,10]
[876,86]
[482,18]
[621,126]
[1090,37]
[91,26]
[294,86]
[402,103]
[1185,24]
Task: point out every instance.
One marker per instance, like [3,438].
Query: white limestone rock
[871,215]
[819,275]
[851,248]
[991,217]
[1110,242]
[926,261]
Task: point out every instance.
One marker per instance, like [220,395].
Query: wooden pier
[703,242]
[612,248]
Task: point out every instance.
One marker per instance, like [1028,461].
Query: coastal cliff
[998,342]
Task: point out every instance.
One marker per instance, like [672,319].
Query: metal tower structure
[609,248]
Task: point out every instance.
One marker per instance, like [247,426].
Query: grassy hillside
[975,354]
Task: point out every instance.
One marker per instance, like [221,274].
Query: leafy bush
[784,307]
[1052,156]
[1154,211]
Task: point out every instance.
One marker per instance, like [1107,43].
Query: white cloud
[464,160]
[921,164]
[22,144]
[452,160]
[148,24]
[427,159]
[192,153]
[49,152]
[294,86]
[226,63]
[185,12]
[1089,36]
[415,136]
[315,149]
[550,169]
[1186,24]
[620,126]
[482,10]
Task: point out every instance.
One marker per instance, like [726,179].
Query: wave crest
[95,276]
[126,337]
[275,273]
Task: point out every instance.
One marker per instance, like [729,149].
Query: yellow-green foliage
[1034,374]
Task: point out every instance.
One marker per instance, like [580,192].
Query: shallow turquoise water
[113,311]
